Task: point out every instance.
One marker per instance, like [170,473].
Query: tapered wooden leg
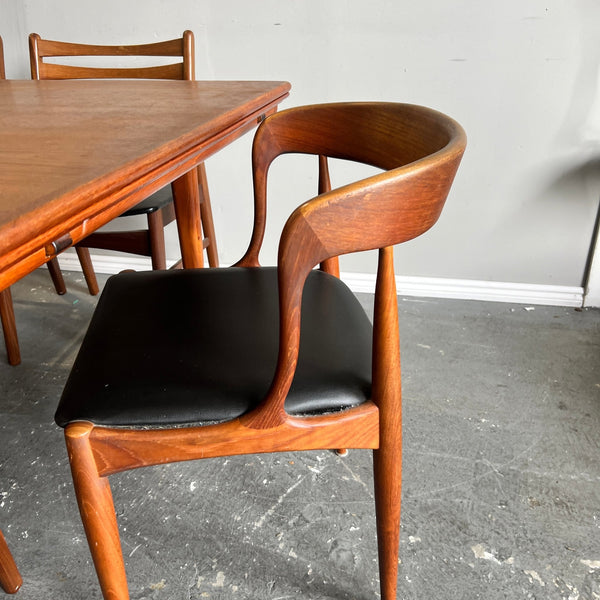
[10,578]
[9,327]
[85,261]
[57,277]
[387,467]
[387,460]
[208,226]
[97,513]
[156,233]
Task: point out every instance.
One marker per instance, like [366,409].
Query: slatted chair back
[43,54]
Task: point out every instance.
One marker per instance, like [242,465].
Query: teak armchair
[158,208]
[257,359]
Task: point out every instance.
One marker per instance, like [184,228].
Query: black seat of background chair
[211,352]
[155,202]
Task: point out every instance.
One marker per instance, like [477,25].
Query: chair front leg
[10,578]
[387,470]
[387,394]
[97,513]
[57,276]
[87,267]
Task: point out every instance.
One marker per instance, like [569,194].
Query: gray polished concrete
[501,492]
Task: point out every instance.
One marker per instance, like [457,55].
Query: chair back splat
[255,359]
[420,151]
[40,50]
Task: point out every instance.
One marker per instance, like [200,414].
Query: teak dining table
[76,154]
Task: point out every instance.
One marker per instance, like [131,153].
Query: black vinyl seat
[212,350]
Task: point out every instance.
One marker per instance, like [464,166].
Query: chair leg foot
[97,513]
[342,451]
[387,467]
[10,578]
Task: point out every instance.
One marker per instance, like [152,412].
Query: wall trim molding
[423,287]
[467,289]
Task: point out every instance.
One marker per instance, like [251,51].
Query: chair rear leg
[156,236]
[57,277]
[10,578]
[85,261]
[206,216]
[97,513]
[9,327]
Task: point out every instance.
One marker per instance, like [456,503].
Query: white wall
[522,78]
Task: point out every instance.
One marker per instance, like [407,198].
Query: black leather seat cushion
[191,346]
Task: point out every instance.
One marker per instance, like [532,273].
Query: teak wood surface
[76,154]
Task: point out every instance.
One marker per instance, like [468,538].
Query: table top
[65,145]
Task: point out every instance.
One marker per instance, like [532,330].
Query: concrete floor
[501,495]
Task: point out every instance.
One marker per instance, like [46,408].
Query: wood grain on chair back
[419,150]
[40,50]
[417,146]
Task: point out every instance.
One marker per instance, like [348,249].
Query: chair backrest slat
[54,71]
[56,48]
[40,50]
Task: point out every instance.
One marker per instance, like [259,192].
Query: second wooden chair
[158,208]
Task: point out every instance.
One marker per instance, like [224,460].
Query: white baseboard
[466,289]
[425,287]
[107,264]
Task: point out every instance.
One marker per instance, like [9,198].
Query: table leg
[187,211]
[10,578]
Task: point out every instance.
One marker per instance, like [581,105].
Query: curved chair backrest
[40,50]
[419,151]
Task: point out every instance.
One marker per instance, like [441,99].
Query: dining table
[76,154]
